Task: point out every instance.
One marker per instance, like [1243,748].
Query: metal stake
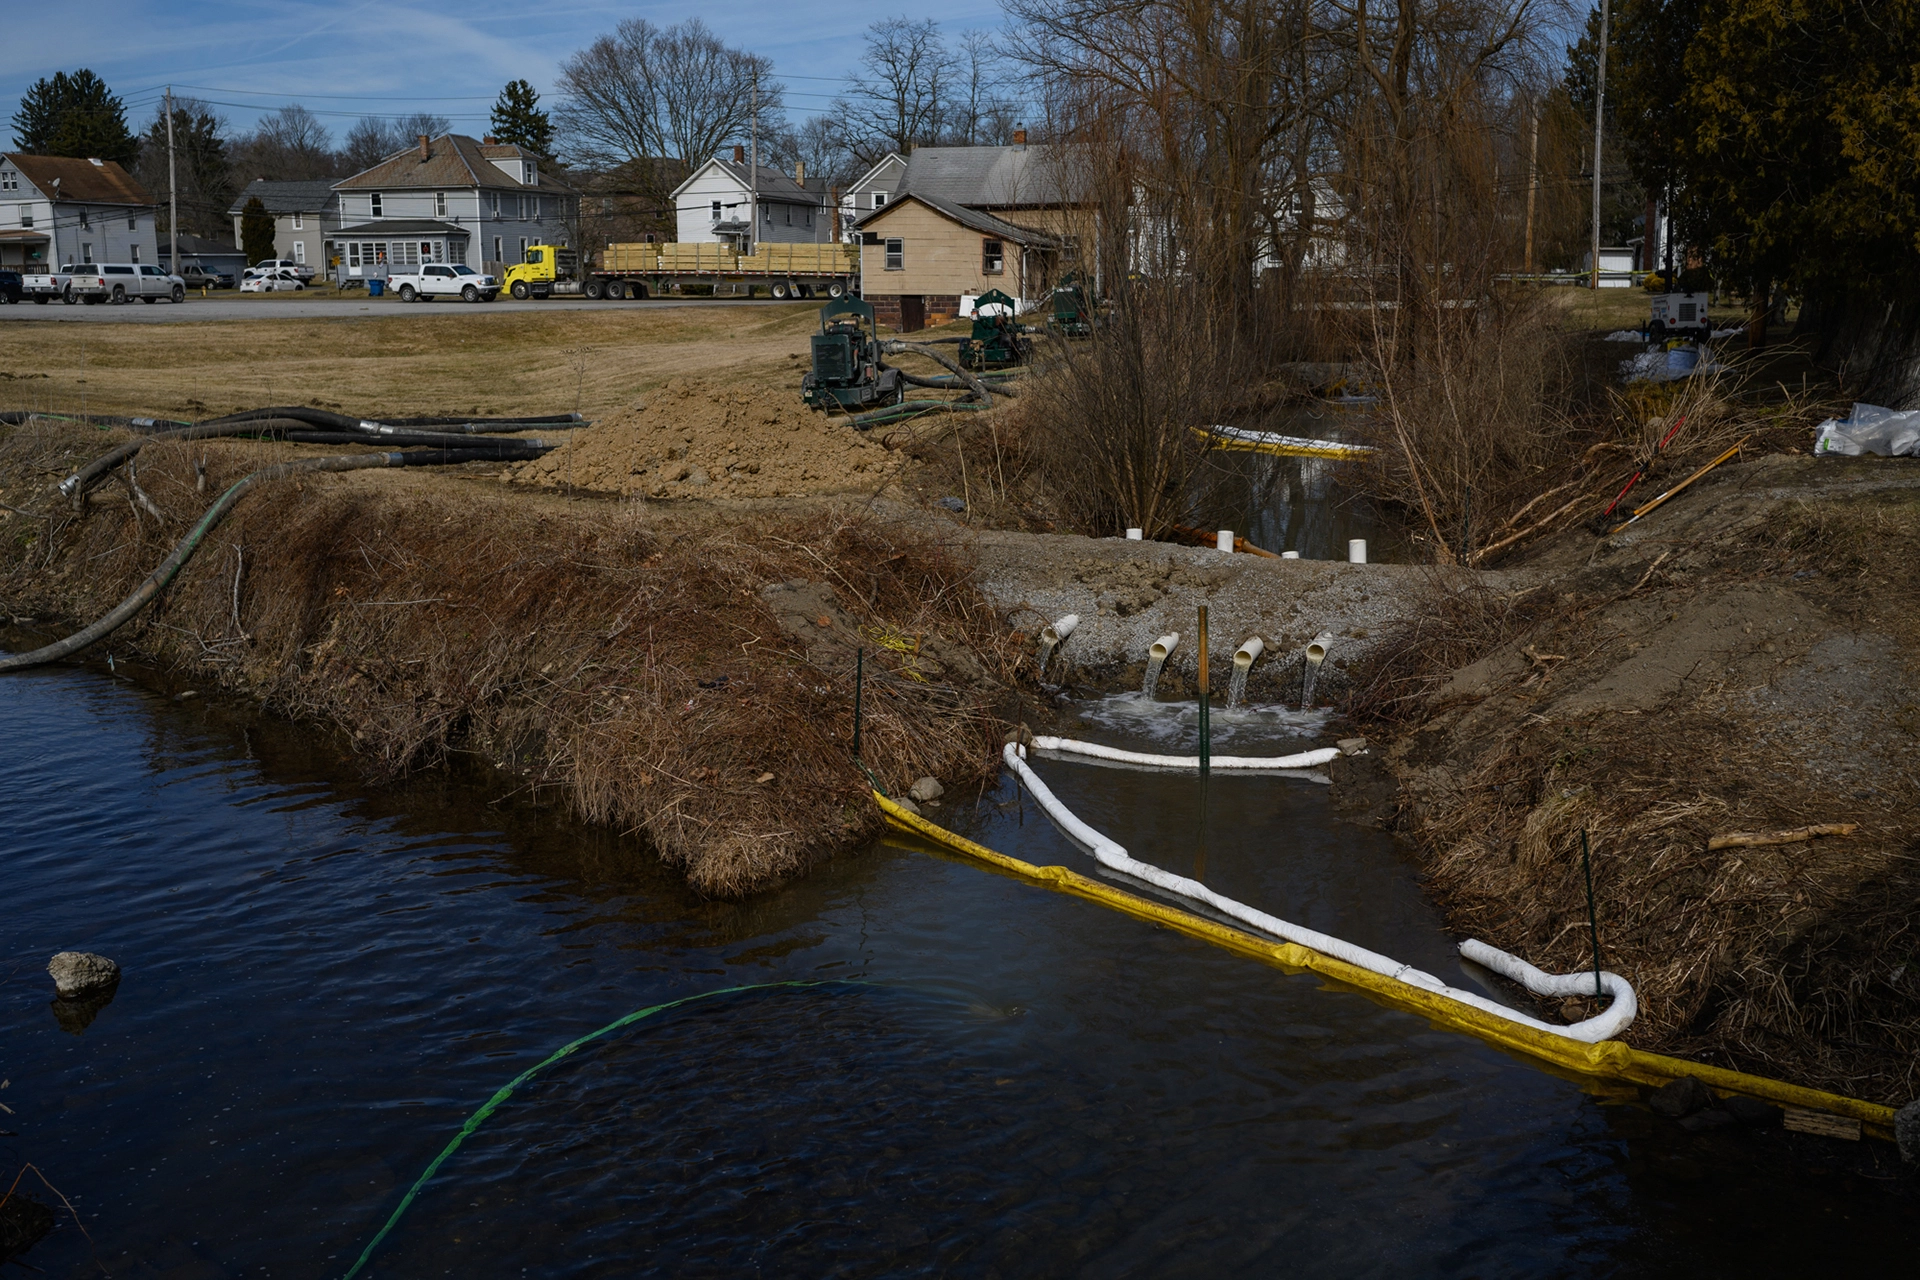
[859,678]
[1205,728]
[1593,919]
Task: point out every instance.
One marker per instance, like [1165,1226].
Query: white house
[711,206]
[449,199]
[305,216]
[55,210]
[871,191]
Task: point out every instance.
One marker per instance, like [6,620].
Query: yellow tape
[1610,1059]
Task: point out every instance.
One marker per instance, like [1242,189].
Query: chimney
[491,141]
[423,148]
[739,153]
[800,172]
[1020,139]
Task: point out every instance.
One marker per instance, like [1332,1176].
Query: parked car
[437,280]
[124,281]
[198,277]
[11,289]
[301,270]
[43,286]
[271,282]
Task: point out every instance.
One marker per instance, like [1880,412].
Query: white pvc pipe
[1289,555]
[1163,646]
[1356,550]
[1073,746]
[1060,630]
[1604,1026]
[1317,648]
[1244,656]
[1223,540]
[1135,535]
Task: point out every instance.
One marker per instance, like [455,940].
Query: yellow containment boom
[1239,438]
[1607,1060]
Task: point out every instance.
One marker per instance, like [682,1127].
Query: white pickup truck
[44,286]
[123,282]
[438,280]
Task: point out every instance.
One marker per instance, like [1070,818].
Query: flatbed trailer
[655,270]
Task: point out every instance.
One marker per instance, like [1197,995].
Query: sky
[395,57]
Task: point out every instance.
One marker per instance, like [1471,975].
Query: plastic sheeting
[1604,1026]
[1890,433]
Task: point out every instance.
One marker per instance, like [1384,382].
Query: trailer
[653,270]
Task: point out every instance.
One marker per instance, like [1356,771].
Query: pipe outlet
[1317,649]
[1164,646]
[1243,656]
[1060,630]
[1223,540]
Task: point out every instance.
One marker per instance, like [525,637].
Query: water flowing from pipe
[1237,687]
[1154,663]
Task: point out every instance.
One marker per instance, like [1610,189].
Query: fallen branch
[1793,835]
[1510,539]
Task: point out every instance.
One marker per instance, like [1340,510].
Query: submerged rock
[1681,1097]
[81,973]
[927,789]
[1906,1131]
[906,802]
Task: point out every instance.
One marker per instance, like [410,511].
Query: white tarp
[1891,433]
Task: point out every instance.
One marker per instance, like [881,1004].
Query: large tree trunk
[1873,345]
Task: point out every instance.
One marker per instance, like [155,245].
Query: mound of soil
[695,439]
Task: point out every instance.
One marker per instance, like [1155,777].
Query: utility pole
[753,164]
[1533,183]
[1599,115]
[173,194]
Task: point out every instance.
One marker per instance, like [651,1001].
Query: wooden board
[1827,1126]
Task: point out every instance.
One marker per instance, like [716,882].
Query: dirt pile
[689,681]
[1740,662]
[704,439]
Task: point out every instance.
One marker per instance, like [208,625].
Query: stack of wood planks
[801,260]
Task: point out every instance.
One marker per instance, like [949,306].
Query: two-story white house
[56,209]
[871,191]
[711,206]
[305,217]
[449,199]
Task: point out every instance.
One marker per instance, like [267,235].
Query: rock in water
[906,802]
[1906,1130]
[81,973]
[1680,1097]
[927,789]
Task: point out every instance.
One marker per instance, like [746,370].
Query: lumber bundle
[632,257]
[801,259]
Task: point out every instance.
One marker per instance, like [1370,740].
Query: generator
[1072,317]
[1679,315]
[997,340]
[848,372]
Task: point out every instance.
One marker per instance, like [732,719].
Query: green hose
[492,1104]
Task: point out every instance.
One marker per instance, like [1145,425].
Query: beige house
[965,220]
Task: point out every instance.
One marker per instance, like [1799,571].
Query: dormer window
[527,175]
[879,198]
[373,202]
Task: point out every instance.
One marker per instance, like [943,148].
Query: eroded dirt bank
[1741,661]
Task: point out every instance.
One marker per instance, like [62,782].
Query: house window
[86,251]
[523,248]
[716,211]
[526,172]
[133,253]
[993,257]
[439,204]
[879,198]
[9,181]
[374,203]
[896,255]
[809,215]
[1069,248]
[496,249]
[766,214]
[26,215]
[353,254]
[133,222]
[495,206]
[789,211]
[300,251]
[299,221]
[83,219]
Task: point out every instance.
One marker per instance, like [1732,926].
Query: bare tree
[288,145]
[375,138]
[900,97]
[678,93]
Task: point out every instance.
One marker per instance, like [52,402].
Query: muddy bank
[1743,661]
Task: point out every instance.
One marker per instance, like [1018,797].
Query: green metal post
[859,678]
[1205,729]
[1593,918]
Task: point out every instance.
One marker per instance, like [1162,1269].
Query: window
[9,180]
[896,255]
[789,210]
[523,248]
[26,215]
[83,219]
[439,204]
[993,257]
[426,252]
[716,211]
[353,254]
[766,214]
[527,174]
[133,222]
[520,207]
[496,250]
[809,215]
[1069,248]
[879,198]
[300,251]
[380,253]
[299,222]
[373,203]
[495,196]
[133,253]
[86,252]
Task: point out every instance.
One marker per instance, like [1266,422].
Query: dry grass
[632,667]
[424,359]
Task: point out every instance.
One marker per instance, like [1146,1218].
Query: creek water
[1296,504]
[322,980]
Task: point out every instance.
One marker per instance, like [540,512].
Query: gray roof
[287,197]
[199,246]
[775,184]
[985,223]
[453,160]
[989,177]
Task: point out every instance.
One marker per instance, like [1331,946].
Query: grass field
[405,365]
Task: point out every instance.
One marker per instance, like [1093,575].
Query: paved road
[293,306]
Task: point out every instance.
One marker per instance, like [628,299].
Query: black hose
[18,417]
[947,382]
[156,581]
[347,422]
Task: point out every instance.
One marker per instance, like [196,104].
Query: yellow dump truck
[645,270]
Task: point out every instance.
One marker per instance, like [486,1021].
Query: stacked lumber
[631,257]
[697,257]
[801,259]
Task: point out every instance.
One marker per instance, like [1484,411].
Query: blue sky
[344,60]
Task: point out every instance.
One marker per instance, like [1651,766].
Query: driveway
[227,305]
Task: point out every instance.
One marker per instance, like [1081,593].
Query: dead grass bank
[691,682]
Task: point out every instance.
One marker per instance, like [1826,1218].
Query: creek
[323,979]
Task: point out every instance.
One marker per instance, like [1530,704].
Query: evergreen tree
[202,172]
[517,119]
[256,231]
[74,115]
